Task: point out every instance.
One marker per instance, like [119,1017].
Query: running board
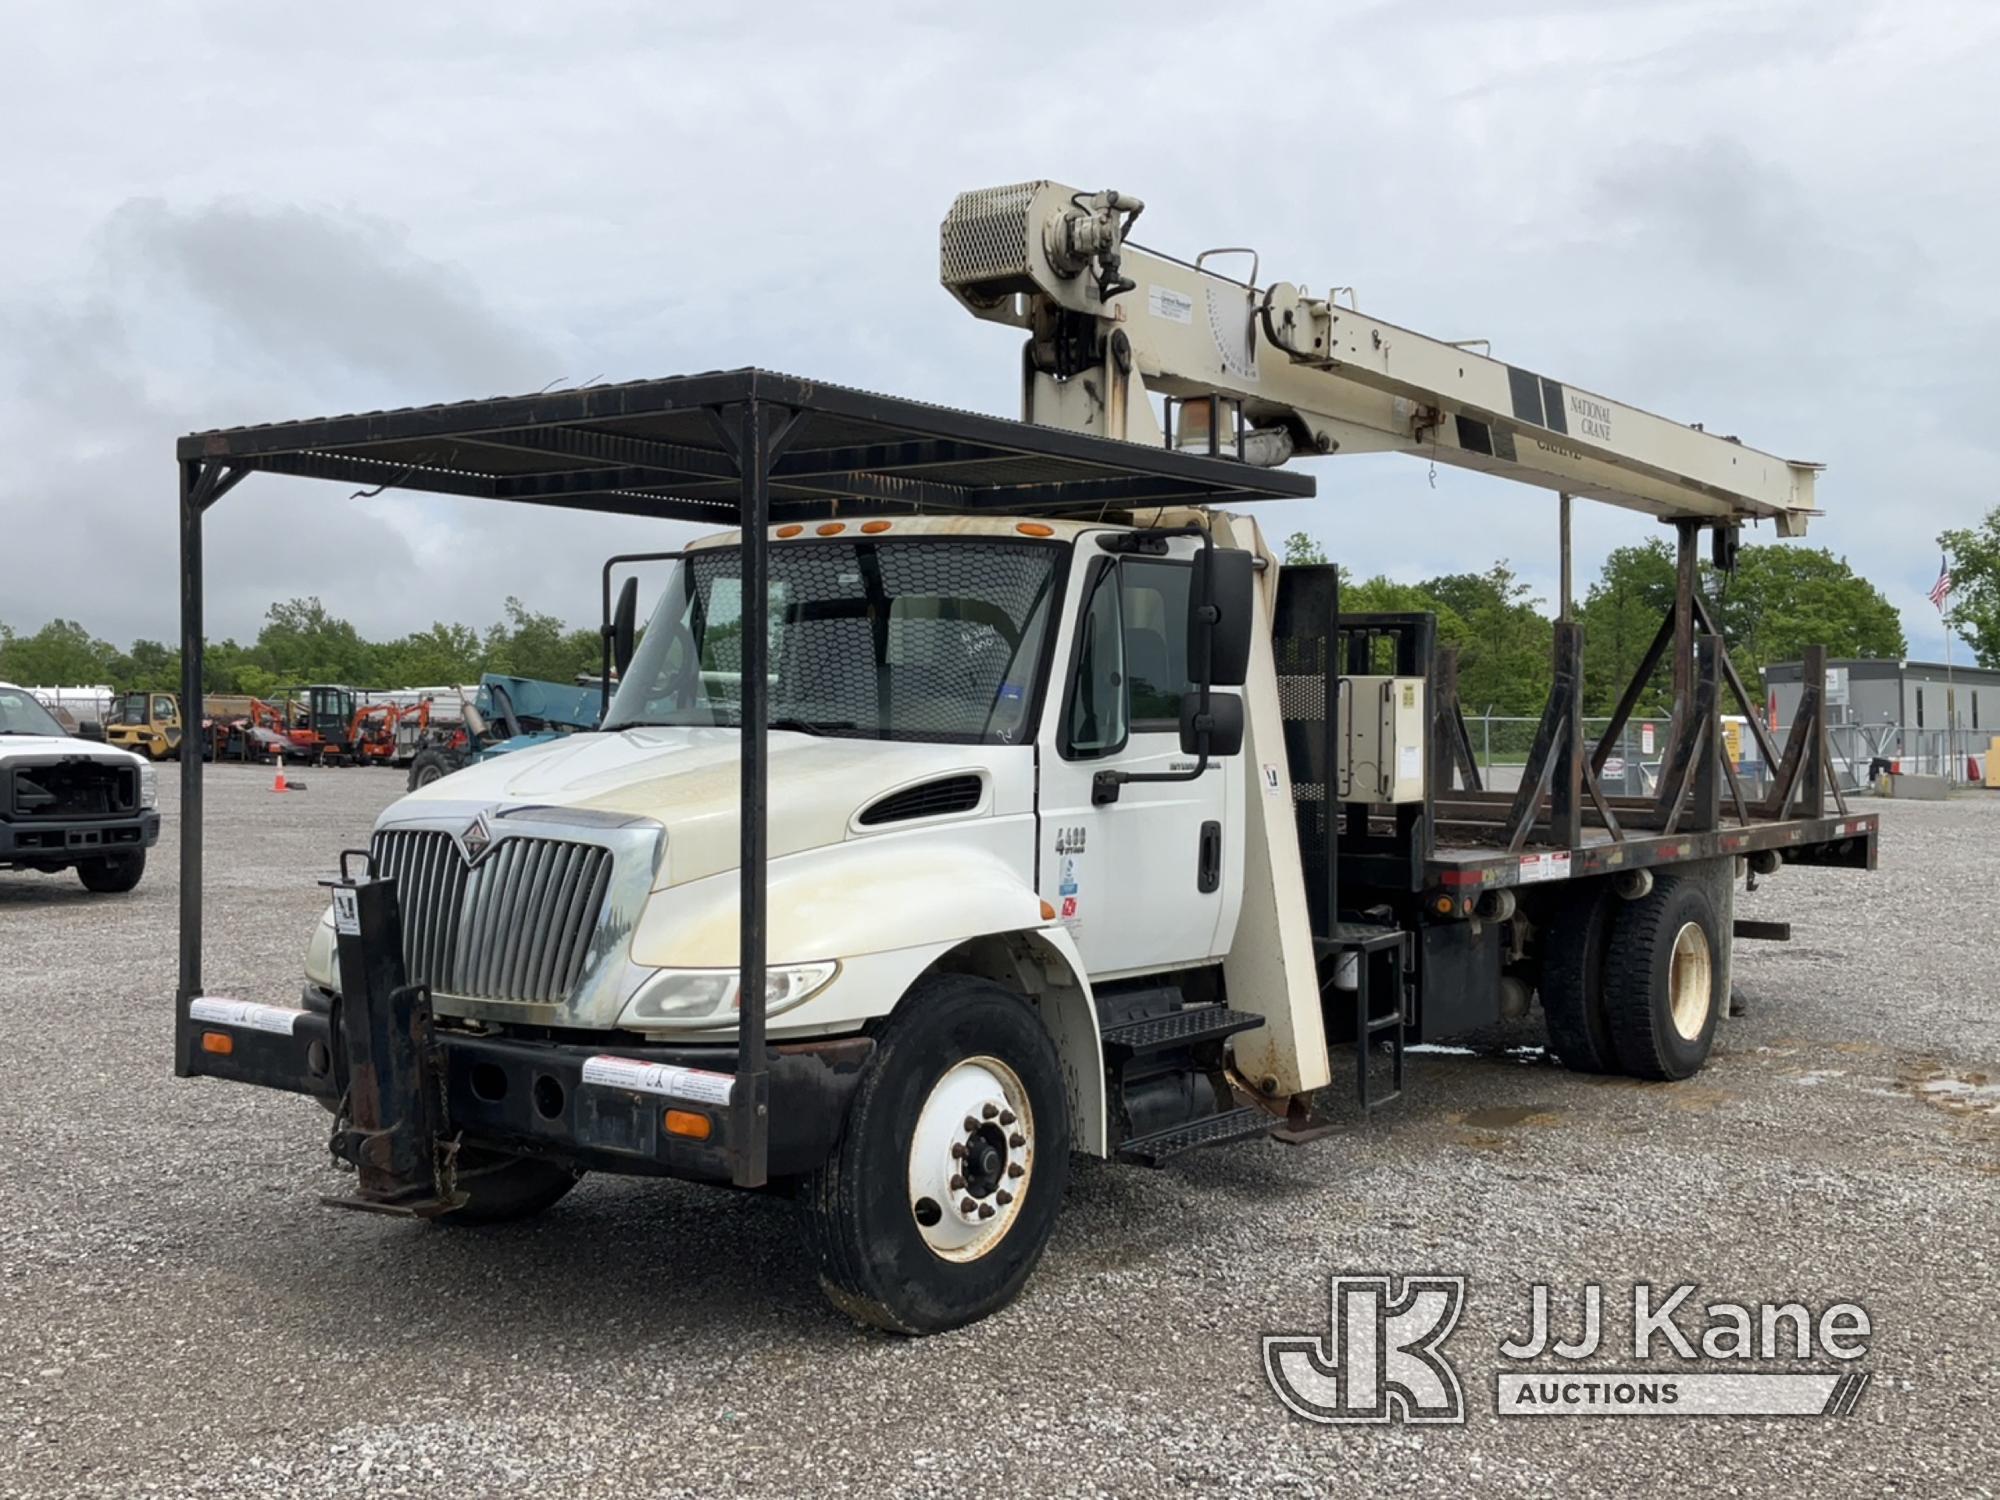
[1180,1028]
[1162,1146]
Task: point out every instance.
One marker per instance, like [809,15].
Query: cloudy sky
[1776,218]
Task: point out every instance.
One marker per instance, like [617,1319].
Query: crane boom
[1266,373]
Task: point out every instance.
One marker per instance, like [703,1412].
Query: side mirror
[1224,726]
[1219,650]
[90,729]
[624,625]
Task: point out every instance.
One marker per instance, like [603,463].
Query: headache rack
[746,448]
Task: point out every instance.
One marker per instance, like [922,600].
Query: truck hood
[687,779]
[64,745]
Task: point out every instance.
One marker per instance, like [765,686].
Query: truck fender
[1043,964]
[891,911]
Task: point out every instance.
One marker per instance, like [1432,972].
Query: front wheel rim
[1691,981]
[971,1159]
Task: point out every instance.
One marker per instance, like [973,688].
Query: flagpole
[1950,712]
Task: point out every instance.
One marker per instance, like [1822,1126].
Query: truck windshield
[916,638]
[20,714]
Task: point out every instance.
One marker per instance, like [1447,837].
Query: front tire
[431,764]
[944,1189]
[112,874]
[502,1189]
[1663,980]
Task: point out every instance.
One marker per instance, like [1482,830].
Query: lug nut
[957,1184]
[958,1150]
[1006,1117]
[1017,1139]
[1003,1197]
[967,1206]
[970,1124]
[1015,1169]
[985,1210]
[990,1111]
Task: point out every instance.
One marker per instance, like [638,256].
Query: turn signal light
[686,1122]
[1048,912]
[221,1043]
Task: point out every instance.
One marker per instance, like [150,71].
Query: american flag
[1941,590]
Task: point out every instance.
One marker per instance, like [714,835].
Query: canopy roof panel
[661,448]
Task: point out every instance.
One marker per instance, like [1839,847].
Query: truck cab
[71,804]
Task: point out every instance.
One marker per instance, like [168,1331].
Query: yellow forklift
[148,724]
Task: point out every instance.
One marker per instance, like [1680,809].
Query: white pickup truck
[69,803]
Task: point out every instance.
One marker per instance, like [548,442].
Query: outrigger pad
[391,1125]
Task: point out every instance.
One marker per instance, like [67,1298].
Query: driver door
[1138,881]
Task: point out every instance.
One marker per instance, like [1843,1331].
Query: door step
[1181,1028]
[1162,1146]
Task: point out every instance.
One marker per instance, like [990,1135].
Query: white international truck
[990,792]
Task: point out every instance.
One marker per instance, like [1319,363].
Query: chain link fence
[1861,752]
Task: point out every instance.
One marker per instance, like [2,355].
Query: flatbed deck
[1462,861]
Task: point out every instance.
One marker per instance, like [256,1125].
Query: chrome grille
[516,926]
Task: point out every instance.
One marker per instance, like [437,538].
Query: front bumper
[63,841]
[532,1098]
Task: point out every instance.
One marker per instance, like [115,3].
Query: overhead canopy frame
[744,447]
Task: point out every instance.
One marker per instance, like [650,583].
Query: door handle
[1208,867]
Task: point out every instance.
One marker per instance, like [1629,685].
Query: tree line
[1779,600]
[301,642]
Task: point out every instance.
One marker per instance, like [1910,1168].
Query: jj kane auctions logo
[1383,1359]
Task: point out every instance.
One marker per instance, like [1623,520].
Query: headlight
[149,786]
[709,997]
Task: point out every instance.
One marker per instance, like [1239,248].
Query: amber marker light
[874,528]
[688,1123]
[793,530]
[221,1043]
[1034,528]
[831,528]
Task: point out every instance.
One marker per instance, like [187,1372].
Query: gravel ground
[177,1317]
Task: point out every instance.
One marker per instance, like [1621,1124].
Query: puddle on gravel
[1957,1093]
[1508,1116]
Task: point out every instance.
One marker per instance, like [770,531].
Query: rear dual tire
[1635,987]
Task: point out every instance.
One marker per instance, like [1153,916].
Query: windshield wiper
[812,726]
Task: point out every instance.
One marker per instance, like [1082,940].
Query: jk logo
[1382,1361]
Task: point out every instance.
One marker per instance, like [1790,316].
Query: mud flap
[391,1126]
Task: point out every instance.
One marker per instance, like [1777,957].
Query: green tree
[1505,662]
[151,665]
[1785,598]
[1975,579]
[527,644]
[1301,549]
[1620,615]
[61,654]
[302,643]
[442,655]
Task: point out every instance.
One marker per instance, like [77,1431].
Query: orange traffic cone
[279,784]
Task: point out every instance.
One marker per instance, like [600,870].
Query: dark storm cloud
[1770,219]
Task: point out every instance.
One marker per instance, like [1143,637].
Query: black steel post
[1687,577]
[191,508]
[750,1112]
[1567,784]
[1812,796]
